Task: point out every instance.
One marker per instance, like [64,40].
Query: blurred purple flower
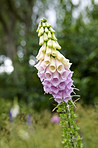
[29,122]
[55,119]
[10,116]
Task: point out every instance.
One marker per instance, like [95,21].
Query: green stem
[71,138]
[69,124]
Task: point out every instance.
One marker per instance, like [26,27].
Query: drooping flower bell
[53,68]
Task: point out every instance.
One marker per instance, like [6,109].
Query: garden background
[76,26]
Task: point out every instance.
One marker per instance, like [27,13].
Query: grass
[42,133]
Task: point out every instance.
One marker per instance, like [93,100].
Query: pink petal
[46,89]
[63,75]
[54,89]
[55,81]
[48,74]
[47,83]
[62,85]
[70,75]
[66,99]
[59,100]
[41,76]
[69,84]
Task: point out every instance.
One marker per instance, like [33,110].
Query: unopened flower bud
[43,48]
[41,31]
[49,35]
[39,27]
[48,51]
[46,30]
[40,55]
[65,61]
[57,45]
[44,24]
[44,20]
[54,45]
[53,37]
[50,43]
[41,41]
[60,57]
[45,37]
[48,25]
[51,30]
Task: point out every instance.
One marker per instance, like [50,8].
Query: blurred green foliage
[19,41]
[42,133]
[87,121]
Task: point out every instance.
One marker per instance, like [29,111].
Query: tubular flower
[53,68]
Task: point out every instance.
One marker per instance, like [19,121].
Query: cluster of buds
[53,68]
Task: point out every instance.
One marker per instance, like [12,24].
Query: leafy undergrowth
[41,133]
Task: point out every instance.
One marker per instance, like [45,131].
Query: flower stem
[71,138]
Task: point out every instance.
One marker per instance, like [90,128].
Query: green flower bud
[52,30]
[57,45]
[45,37]
[49,34]
[41,20]
[50,43]
[44,20]
[37,29]
[46,30]
[39,26]
[40,55]
[53,37]
[54,45]
[43,48]
[48,25]
[44,24]
[48,51]
[41,31]
[41,41]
